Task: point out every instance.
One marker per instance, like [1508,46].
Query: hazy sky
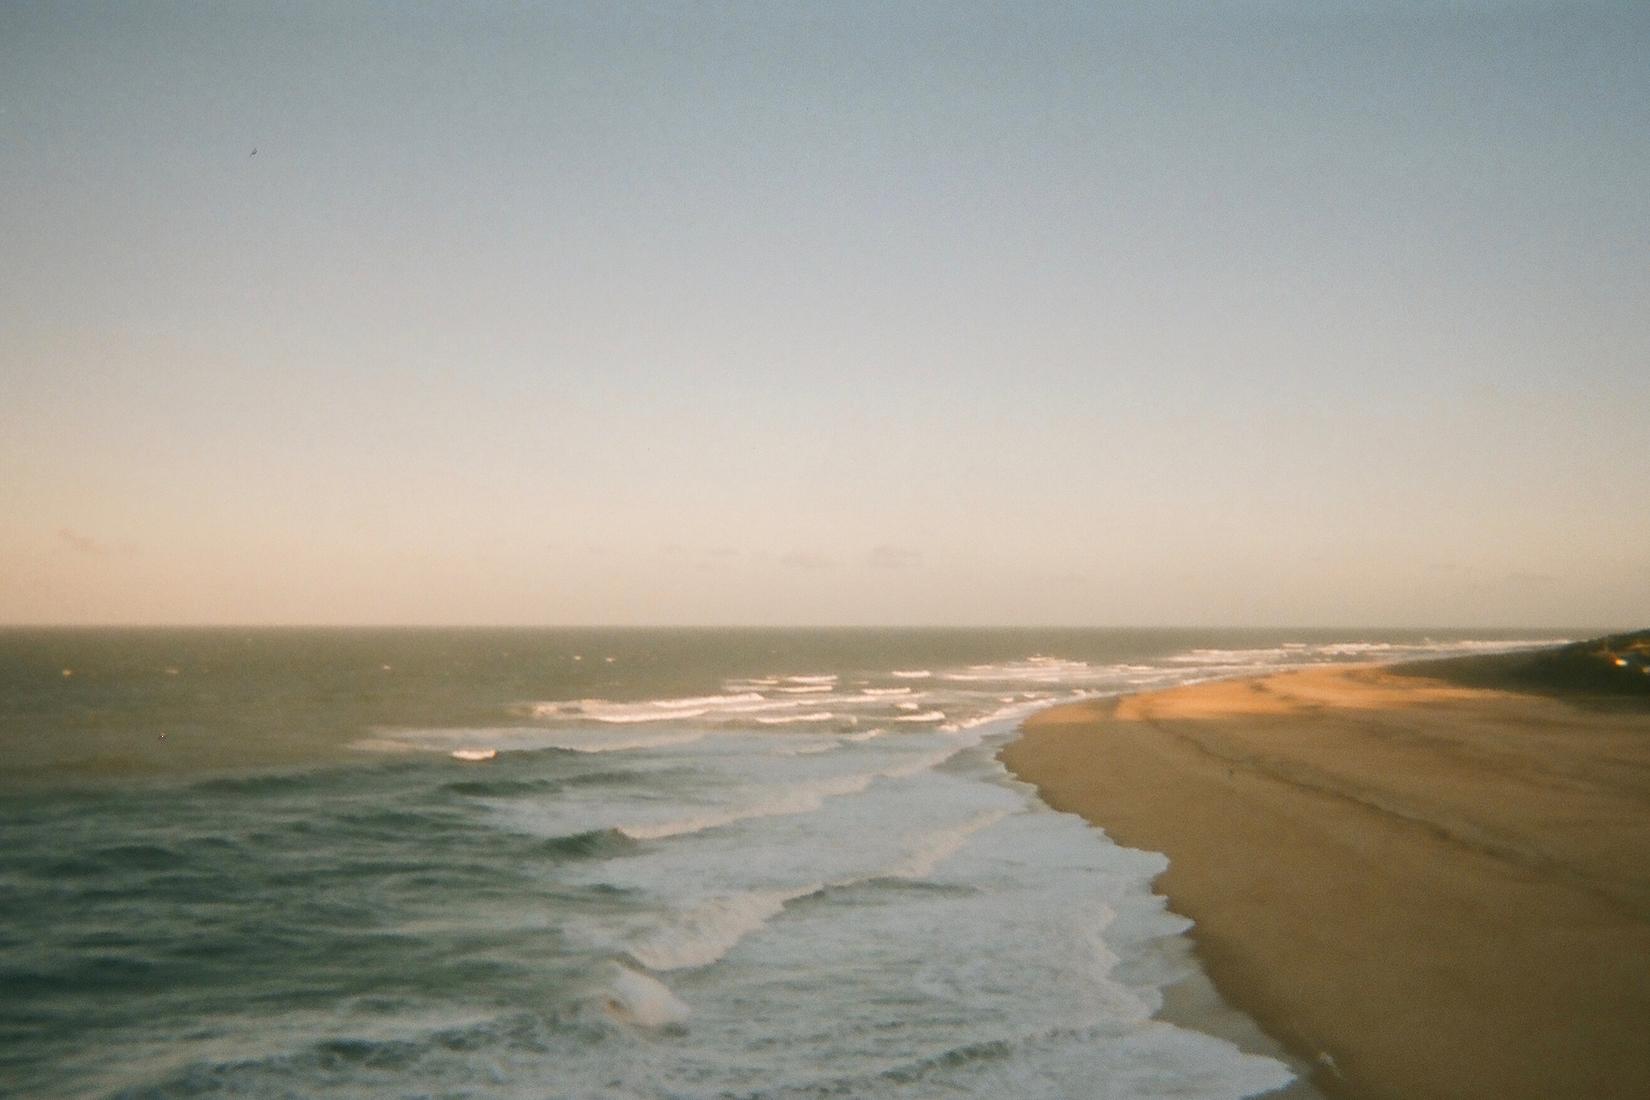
[1254,313]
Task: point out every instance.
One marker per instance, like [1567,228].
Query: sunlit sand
[1426,889]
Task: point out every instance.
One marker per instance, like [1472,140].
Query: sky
[1093,314]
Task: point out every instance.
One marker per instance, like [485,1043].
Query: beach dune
[1422,888]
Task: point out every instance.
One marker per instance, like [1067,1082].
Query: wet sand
[1422,889]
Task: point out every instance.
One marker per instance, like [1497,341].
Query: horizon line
[179,625]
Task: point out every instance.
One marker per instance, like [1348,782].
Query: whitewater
[789,881]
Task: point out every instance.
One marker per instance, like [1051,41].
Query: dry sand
[1422,889]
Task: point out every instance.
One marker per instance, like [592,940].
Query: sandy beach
[1422,889]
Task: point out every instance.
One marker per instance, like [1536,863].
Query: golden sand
[1423,890]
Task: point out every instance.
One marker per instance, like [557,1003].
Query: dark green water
[231,699]
[704,864]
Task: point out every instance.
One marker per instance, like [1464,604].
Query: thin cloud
[893,557]
[806,559]
[79,543]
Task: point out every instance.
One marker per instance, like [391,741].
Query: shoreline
[1419,888]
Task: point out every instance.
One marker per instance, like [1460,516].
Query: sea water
[703,863]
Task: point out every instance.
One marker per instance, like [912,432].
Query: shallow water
[703,864]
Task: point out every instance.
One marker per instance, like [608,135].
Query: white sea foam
[708,700]
[1023,954]
[765,705]
[657,710]
[641,1000]
[932,850]
[706,932]
[808,749]
[708,708]
[829,678]
[627,744]
[1039,670]
[789,800]
[917,765]
[600,710]
[864,736]
[1292,653]
[1012,709]
[799,799]
[1232,656]
[869,699]
[525,739]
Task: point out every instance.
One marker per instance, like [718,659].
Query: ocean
[702,863]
